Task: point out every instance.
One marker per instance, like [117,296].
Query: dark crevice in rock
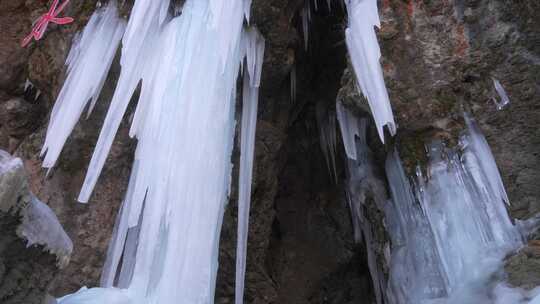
[313,257]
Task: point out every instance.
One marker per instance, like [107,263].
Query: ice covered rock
[40,226]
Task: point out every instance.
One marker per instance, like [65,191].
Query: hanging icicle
[365,54]
[184,123]
[254,43]
[88,62]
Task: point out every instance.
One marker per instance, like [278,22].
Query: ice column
[167,232]
[88,64]
[365,55]
[254,47]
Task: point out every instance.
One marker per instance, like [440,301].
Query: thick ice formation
[449,231]
[88,64]
[365,55]
[254,46]
[165,244]
[40,226]
[457,217]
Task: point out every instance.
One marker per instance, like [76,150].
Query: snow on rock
[40,226]
[88,62]
[365,55]
[12,182]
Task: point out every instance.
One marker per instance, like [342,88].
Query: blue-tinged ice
[449,231]
[456,231]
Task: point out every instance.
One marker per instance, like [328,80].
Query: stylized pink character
[41,24]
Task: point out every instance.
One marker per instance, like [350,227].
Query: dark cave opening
[313,256]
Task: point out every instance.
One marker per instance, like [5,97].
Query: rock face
[439,57]
[27,272]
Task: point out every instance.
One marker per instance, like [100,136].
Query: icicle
[326,120]
[28,85]
[137,48]
[348,123]
[88,63]
[365,55]
[481,149]
[247,9]
[450,232]
[255,44]
[305,14]
[504,99]
[293,83]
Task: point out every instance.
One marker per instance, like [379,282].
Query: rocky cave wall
[438,58]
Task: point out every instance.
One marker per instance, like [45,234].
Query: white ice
[167,232]
[349,126]
[365,55]
[88,64]
[451,231]
[361,183]
[254,43]
[503,100]
[40,226]
[138,49]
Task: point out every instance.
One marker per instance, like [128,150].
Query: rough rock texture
[524,268]
[438,56]
[23,122]
[25,272]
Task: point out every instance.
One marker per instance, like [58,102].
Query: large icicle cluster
[88,64]
[449,231]
[365,54]
[164,247]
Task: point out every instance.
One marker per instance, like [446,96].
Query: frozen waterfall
[166,238]
[449,231]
